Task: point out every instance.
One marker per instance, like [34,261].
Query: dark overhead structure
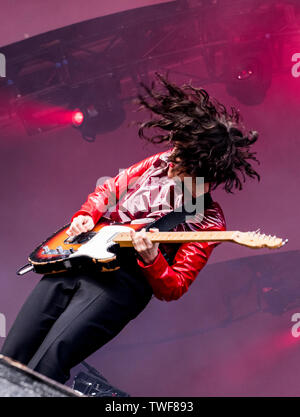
[83,66]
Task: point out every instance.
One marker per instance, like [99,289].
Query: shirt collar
[162,161]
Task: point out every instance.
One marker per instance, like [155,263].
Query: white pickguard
[98,246]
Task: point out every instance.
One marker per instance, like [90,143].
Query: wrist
[150,260]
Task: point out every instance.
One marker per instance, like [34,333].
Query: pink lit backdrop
[44,180]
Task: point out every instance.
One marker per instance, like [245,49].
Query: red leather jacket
[169,282]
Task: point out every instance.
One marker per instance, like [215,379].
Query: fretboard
[124,239]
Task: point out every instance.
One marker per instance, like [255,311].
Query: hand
[80,224]
[143,245]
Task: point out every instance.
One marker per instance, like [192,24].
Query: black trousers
[69,316]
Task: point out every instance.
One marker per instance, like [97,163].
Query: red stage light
[77,118]
[244,74]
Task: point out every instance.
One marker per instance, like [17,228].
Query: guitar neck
[124,240]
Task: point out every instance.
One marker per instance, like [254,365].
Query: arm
[170,282]
[111,191]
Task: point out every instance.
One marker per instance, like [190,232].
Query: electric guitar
[60,252]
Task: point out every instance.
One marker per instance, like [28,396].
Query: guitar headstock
[258,240]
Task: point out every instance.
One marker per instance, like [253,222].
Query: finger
[155,244]
[154,230]
[89,225]
[75,230]
[144,241]
[132,234]
[133,238]
[143,233]
[149,240]
[140,247]
[87,220]
[138,241]
[79,218]
[70,232]
[79,226]
[148,243]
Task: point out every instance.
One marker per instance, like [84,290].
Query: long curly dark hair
[208,140]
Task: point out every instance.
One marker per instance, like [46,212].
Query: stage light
[77,118]
[87,119]
[244,74]
[101,117]
[249,75]
[96,107]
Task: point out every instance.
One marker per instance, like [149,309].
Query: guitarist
[70,315]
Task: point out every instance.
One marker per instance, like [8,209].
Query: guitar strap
[178,216]
[166,223]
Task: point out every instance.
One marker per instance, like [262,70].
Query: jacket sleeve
[170,282]
[110,192]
